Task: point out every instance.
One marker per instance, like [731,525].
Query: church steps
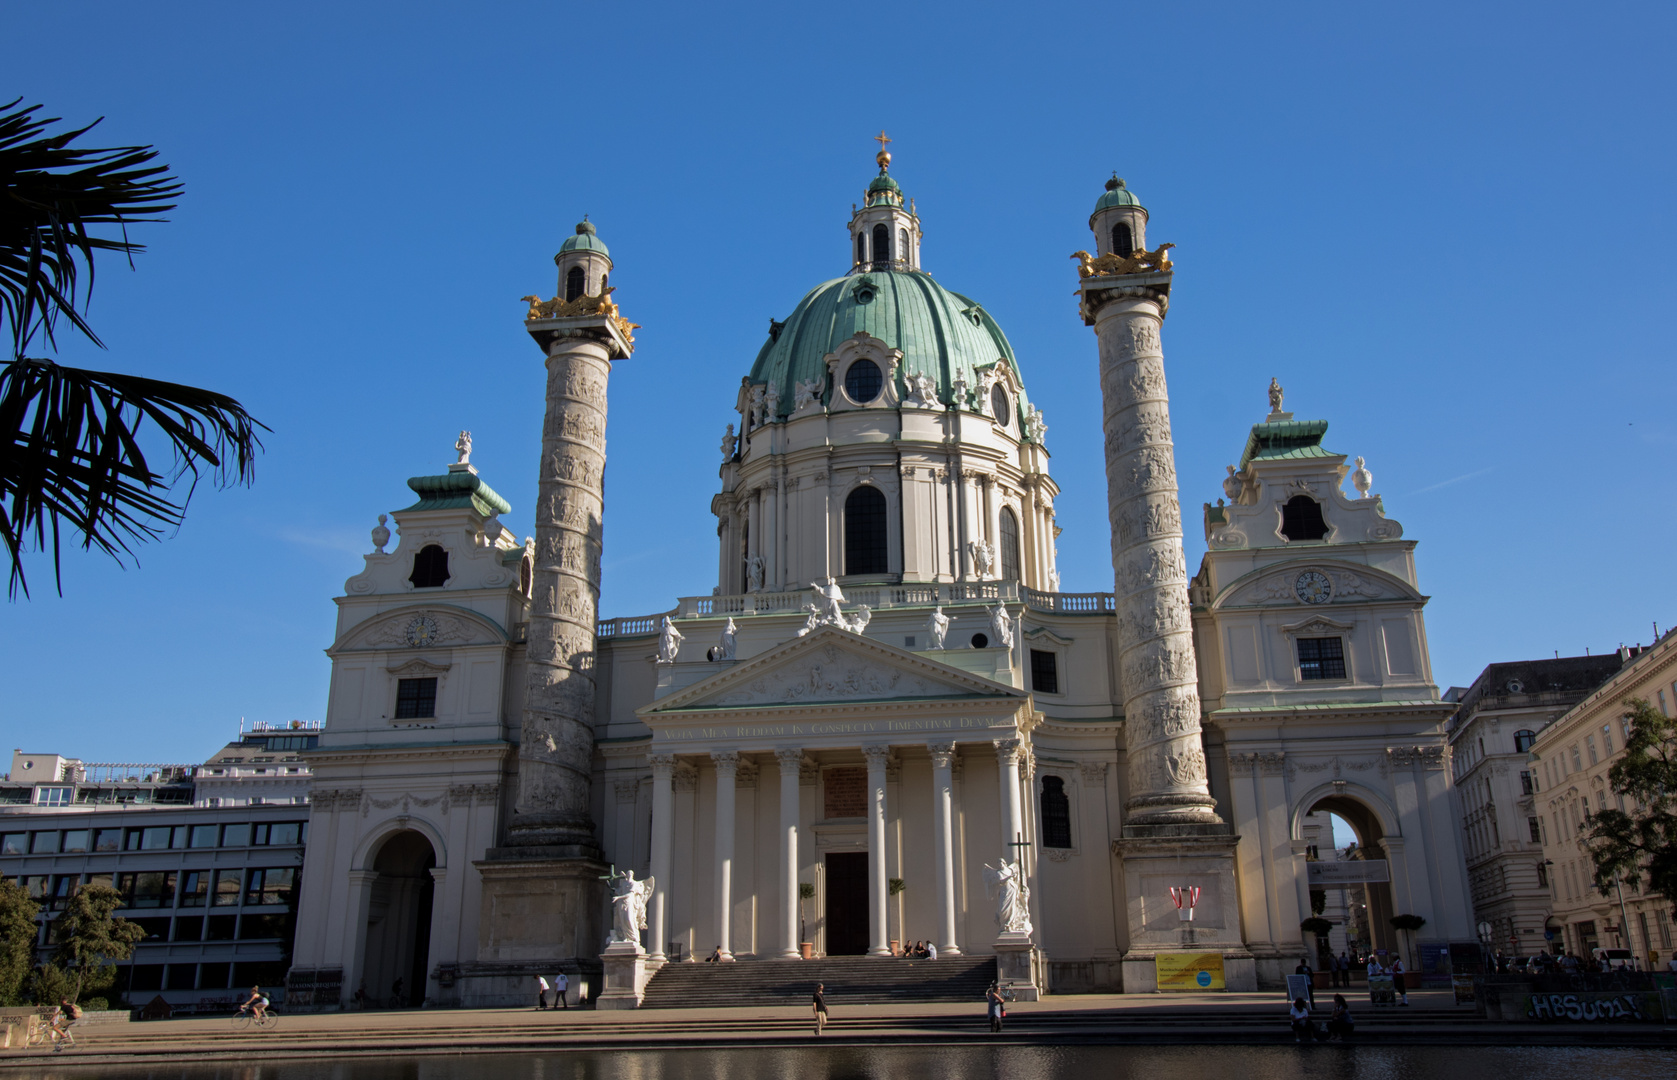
[849,980]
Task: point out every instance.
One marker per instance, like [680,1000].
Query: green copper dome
[584,240]
[942,334]
[1116,195]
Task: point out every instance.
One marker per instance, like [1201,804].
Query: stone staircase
[850,980]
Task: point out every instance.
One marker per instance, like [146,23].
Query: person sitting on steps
[1303,1030]
[1340,1023]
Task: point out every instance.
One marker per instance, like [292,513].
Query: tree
[90,938]
[1640,845]
[17,941]
[73,458]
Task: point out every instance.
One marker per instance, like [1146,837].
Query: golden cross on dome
[881,138]
[884,155]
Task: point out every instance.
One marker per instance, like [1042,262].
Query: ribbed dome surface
[1116,194]
[584,240]
[941,333]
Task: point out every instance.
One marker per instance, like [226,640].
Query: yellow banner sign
[1189,970]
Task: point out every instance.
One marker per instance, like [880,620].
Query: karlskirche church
[885,721]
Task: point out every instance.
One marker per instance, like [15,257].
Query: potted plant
[1410,923]
[806,892]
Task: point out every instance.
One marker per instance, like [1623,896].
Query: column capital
[727,761]
[878,756]
[789,759]
[626,790]
[663,765]
[1007,751]
[943,754]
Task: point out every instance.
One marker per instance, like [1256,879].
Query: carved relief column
[663,834]
[727,762]
[556,745]
[878,880]
[790,762]
[943,843]
[1155,638]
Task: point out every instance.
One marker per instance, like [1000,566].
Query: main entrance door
[847,903]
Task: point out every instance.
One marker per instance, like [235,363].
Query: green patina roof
[457,491]
[584,240]
[941,333]
[1286,439]
[1116,195]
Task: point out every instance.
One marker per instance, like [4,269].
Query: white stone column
[1013,815]
[878,880]
[1155,637]
[663,834]
[789,806]
[943,843]
[727,761]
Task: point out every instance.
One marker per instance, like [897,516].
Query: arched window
[1122,242]
[861,247]
[1301,519]
[1056,813]
[864,532]
[863,381]
[902,244]
[998,404]
[1523,740]
[1010,546]
[573,284]
[430,567]
[881,244]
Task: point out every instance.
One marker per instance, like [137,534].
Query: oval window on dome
[998,404]
[863,381]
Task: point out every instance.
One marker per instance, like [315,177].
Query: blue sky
[1446,229]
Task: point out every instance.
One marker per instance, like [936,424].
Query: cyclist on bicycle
[58,1028]
[257,1003]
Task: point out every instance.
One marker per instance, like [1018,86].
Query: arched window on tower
[861,247]
[881,245]
[902,244]
[1122,242]
[1056,813]
[430,568]
[573,284]
[1010,546]
[864,532]
[1301,519]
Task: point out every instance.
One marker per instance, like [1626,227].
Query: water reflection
[911,1062]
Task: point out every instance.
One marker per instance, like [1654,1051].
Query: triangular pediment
[830,666]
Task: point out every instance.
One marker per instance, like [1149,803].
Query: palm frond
[75,461]
[51,194]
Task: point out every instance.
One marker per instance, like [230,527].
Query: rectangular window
[1577,759]
[14,843]
[54,796]
[35,885]
[220,927]
[1542,876]
[189,927]
[236,836]
[1321,658]
[1045,671]
[75,840]
[1589,744]
[1525,782]
[1663,710]
[1535,827]
[285,833]
[1665,931]
[181,977]
[416,699]
[107,840]
[44,843]
[202,836]
[256,927]
[64,886]
[151,889]
[131,839]
[270,886]
[1607,738]
[195,888]
[226,893]
[156,838]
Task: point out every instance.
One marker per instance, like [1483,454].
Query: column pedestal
[625,976]
[1156,858]
[1017,961]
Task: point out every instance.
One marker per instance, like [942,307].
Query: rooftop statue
[937,626]
[1274,395]
[669,641]
[463,447]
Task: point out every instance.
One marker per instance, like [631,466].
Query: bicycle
[244,1020]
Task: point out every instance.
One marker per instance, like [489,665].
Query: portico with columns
[833,745]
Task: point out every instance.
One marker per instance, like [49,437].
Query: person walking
[561,991]
[993,999]
[1309,980]
[1400,987]
[1344,971]
[820,1006]
[541,992]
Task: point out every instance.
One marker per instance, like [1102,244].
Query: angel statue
[628,906]
[1005,884]
[669,641]
[937,626]
[463,448]
[806,394]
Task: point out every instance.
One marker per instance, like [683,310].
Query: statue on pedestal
[669,641]
[728,632]
[1005,884]
[1002,625]
[628,906]
[937,626]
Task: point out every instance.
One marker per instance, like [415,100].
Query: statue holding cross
[628,905]
[1005,883]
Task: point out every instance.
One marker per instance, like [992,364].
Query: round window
[862,381]
[864,296]
[998,404]
[980,641]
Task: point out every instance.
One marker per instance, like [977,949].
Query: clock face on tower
[422,631]
[1313,587]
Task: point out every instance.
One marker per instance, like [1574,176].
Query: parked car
[1612,959]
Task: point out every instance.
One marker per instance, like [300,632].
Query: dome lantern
[1119,221]
[884,235]
[584,263]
